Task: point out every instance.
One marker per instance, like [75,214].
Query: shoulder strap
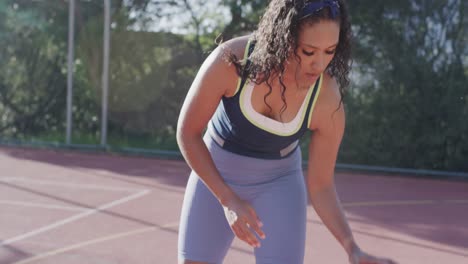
[245,71]
[313,99]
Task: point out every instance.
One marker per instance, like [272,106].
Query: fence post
[71,44]
[105,71]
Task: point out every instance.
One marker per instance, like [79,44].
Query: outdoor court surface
[68,207]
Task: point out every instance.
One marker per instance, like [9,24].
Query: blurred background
[407,106]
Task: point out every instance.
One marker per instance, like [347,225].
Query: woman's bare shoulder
[331,90]
[218,73]
[228,72]
[328,102]
[235,45]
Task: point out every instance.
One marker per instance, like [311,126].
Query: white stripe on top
[269,124]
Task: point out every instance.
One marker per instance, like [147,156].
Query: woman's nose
[319,64]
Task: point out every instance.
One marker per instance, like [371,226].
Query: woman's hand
[357,256]
[243,221]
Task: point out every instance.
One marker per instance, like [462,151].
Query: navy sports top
[238,128]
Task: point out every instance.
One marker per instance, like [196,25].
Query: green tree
[411,111]
[31,73]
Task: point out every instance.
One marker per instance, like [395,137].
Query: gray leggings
[275,188]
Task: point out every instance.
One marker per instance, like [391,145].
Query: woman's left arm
[323,150]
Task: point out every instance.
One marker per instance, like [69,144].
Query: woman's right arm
[215,78]
[212,81]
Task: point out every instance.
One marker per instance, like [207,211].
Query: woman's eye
[307,53]
[330,52]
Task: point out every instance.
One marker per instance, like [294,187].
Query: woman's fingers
[239,233]
[359,257]
[250,236]
[243,233]
[244,222]
[246,227]
[255,223]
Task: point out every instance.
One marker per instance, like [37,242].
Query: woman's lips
[312,76]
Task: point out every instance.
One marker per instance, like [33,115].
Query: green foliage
[31,77]
[414,112]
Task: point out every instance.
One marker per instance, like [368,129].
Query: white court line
[68,185]
[96,241]
[170,225]
[41,205]
[73,218]
[86,243]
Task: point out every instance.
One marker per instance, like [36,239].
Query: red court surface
[69,207]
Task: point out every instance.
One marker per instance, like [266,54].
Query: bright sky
[209,12]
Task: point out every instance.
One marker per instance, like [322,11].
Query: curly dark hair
[278,33]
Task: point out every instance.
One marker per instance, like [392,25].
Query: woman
[257,95]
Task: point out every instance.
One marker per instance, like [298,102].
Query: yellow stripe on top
[315,100]
[246,51]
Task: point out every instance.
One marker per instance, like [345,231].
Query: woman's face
[316,47]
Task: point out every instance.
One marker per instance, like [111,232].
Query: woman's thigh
[282,209]
[204,234]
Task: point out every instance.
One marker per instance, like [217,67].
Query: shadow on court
[70,207]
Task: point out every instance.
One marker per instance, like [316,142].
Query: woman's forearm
[199,159]
[328,207]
